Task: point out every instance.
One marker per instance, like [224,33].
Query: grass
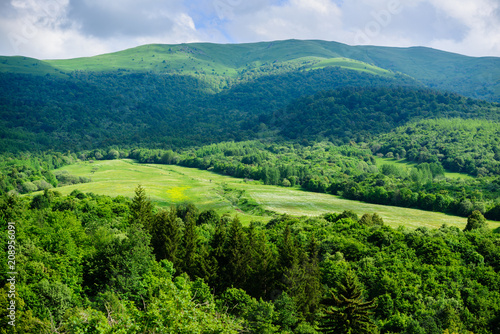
[352,65]
[214,59]
[167,185]
[26,65]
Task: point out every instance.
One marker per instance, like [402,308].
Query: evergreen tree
[237,254]
[166,235]
[347,313]
[262,264]
[141,209]
[217,256]
[300,274]
[189,246]
[288,251]
[310,300]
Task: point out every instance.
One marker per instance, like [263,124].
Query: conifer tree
[262,264]
[141,209]
[217,256]
[166,236]
[236,250]
[288,251]
[311,297]
[189,246]
[346,312]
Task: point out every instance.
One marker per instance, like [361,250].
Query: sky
[55,29]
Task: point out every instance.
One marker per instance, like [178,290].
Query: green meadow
[168,185]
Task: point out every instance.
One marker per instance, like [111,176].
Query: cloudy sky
[73,28]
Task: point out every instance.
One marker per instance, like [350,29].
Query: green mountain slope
[95,109]
[360,112]
[470,76]
[242,61]
[191,94]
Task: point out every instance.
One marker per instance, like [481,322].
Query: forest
[89,263]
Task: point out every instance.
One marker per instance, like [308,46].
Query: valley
[251,188]
[171,185]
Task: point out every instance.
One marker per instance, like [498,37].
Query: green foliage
[461,145]
[141,209]
[362,112]
[118,262]
[166,235]
[475,221]
[347,312]
[84,265]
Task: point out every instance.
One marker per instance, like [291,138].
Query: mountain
[470,76]
[192,94]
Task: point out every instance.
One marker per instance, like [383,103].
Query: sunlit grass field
[168,185]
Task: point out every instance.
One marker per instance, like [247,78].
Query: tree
[237,255]
[189,246]
[208,217]
[262,264]
[217,256]
[141,209]
[348,313]
[118,263]
[475,220]
[166,235]
[113,154]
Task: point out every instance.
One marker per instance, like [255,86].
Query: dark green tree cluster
[95,110]
[97,264]
[361,113]
[467,146]
[28,172]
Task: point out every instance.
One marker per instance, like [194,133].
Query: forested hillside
[360,113]
[101,109]
[469,76]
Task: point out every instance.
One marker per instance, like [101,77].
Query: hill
[362,112]
[99,109]
[469,76]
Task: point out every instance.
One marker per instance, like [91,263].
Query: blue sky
[75,28]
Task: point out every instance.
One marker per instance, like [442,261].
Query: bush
[42,184]
[475,220]
[28,187]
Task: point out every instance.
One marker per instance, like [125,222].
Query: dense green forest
[102,109]
[359,113]
[95,264]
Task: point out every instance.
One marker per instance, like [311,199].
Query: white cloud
[301,19]
[73,28]
[482,21]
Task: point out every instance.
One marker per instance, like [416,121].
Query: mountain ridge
[476,77]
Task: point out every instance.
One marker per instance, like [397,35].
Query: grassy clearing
[167,185]
[353,65]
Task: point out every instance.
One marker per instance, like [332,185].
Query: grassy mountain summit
[470,76]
